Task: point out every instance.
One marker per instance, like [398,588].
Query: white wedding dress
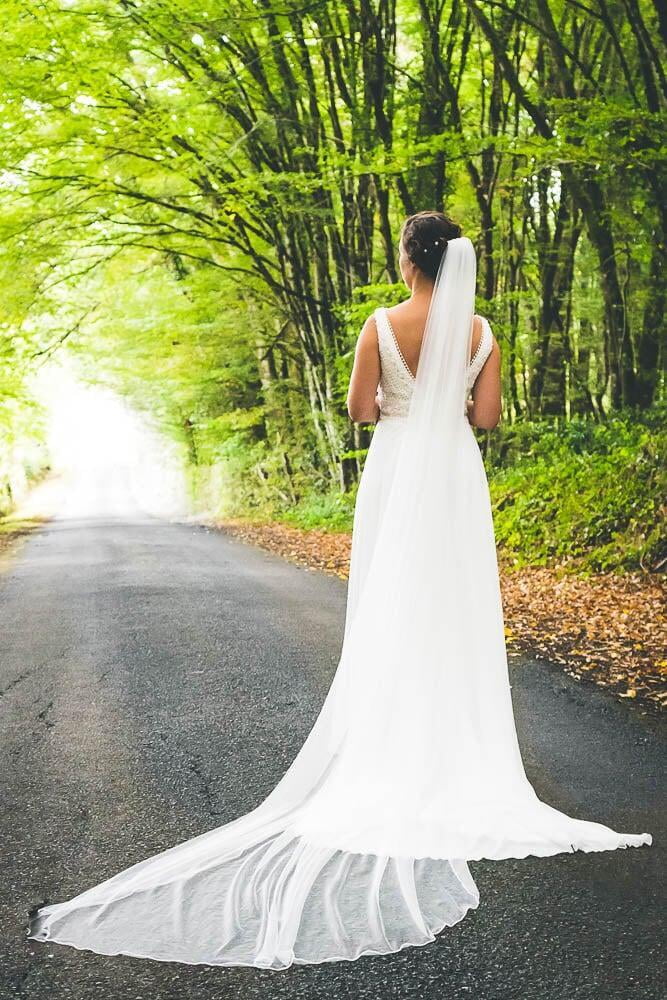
[412,768]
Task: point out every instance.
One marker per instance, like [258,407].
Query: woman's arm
[485,407]
[361,403]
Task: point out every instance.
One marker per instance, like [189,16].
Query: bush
[583,493]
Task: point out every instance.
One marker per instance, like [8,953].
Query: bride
[412,768]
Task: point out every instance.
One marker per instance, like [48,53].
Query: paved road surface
[157,678]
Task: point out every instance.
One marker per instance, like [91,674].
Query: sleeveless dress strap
[483,351]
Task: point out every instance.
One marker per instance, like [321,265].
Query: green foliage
[332,511]
[24,457]
[23,452]
[584,493]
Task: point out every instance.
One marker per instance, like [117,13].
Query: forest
[201,204]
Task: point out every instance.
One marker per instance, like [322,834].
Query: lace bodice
[396,379]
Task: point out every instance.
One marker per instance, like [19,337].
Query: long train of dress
[362,847]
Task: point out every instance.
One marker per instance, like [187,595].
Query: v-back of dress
[397,381]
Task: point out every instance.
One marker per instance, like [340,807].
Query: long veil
[412,768]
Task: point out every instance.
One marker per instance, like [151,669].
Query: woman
[387,355]
[413,767]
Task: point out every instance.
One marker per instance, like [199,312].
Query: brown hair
[424,238]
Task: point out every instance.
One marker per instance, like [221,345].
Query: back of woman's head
[424,239]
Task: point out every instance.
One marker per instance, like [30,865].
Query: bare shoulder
[367,342]
[369,329]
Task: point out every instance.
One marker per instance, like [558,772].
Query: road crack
[49,723]
[195,765]
[17,680]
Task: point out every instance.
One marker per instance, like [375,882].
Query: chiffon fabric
[412,768]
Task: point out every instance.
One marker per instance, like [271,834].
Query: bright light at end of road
[108,461]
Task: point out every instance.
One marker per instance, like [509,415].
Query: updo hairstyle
[424,239]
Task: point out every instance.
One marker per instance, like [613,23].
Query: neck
[422,287]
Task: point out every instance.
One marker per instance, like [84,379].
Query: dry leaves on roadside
[610,629]
[315,549]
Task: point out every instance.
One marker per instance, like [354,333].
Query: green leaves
[586,494]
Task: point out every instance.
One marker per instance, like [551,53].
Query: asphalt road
[157,679]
